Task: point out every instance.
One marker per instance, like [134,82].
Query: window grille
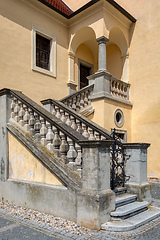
[42,52]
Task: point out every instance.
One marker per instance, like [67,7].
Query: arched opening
[84,47]
[117,55]
[84,65]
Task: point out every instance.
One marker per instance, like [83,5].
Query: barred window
[42,52]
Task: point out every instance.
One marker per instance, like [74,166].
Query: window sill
[44,71]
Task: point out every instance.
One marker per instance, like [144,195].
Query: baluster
[78,103]
[12,108]
[68,121]
[73,123]
[103,137]
[56,143]
[67,103]
[37,127]
[122,95]
[85,130]
[79,128]
[43,131]
[70,103]
[16,110]
[86,99]
[91,137]
[116,89]
[98,137]
[54,111]
[58,115]
[82,101]
[50,137]
[78,160]
[63,118]
[31,122]
[64,148]
[26,119]
[21,114]
[89,98]
[74,104]
[125,92]
[71,154]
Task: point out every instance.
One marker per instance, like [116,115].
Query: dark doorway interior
[84,72]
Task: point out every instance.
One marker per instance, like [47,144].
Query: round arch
[117,37]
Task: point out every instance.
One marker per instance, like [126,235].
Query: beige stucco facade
[132,56]
[25,167]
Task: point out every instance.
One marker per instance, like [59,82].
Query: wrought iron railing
[117,164]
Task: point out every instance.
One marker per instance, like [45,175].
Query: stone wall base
[94,208]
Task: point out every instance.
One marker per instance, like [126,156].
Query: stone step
[129,210]
[132,222]
[121,190]
[125,198]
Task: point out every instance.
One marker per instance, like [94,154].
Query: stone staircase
[129,213]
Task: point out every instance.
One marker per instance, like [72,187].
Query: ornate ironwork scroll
[117,164]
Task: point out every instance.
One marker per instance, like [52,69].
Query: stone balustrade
[119,88]
[60,139]
[76,121]
[79,100]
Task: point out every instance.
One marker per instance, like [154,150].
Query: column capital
[102,39]
[71,55]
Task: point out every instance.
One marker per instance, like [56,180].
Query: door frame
[86,64]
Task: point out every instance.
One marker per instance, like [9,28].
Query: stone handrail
[119,88]
[80,99]
[59,138]
[76,121]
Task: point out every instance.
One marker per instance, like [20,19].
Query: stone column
[96,200]
[71,82]
[102,77]
[125,74]
[136,169]
[102,60]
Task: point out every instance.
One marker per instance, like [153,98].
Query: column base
[101,80]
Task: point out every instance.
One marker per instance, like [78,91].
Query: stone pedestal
[5,103]
[136,169]
[96,200]
[101,80]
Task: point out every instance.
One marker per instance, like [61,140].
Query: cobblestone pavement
[14,226]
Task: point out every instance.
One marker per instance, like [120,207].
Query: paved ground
[16,228]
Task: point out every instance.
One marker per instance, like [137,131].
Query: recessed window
[43,51]
[119,118]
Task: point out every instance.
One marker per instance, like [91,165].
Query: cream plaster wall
[144,74]
[114,61]
[24,166]
[16,18]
